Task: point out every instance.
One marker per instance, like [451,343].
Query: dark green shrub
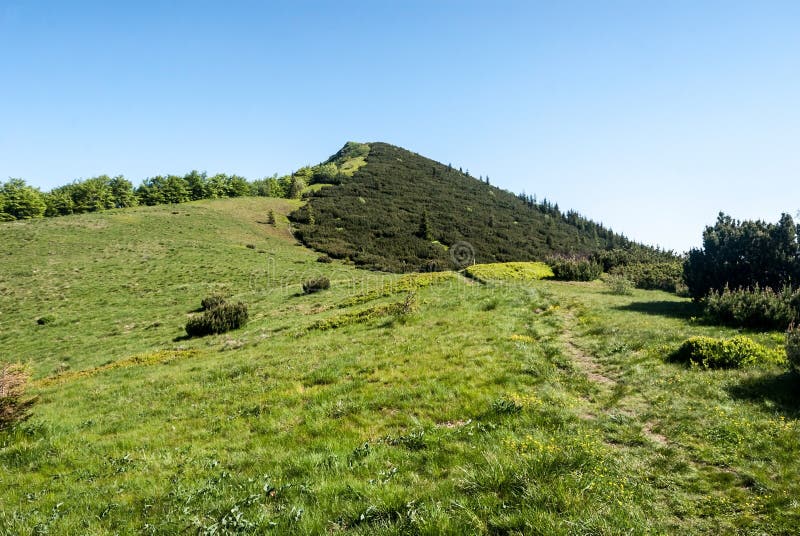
[753,308]
[574,269]
[793,347]
[742,254]
[316,284]
[14,405]
[738,351]
[652,275]
[325,259]
[212,302]
[222,318]
[46,319]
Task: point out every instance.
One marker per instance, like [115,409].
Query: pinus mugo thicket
[316,284]
[218,316]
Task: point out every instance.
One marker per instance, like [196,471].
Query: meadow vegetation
[415,404]
[515,271]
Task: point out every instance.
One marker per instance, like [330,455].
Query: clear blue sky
[648,116]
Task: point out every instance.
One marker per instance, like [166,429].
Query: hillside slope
[402,212]
[413,404]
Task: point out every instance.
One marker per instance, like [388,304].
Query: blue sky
[648,116]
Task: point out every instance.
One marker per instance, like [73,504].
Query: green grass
[516,407]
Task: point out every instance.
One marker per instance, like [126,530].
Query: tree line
[20,201]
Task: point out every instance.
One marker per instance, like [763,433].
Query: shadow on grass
[684,310]
[781,390]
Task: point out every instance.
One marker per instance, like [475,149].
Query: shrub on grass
[46,319]
[220,319]
[652,275]
[324,259]
[14,405]
[212,302]
[753,308]
[574,269]
[736,352]
[793,347]
[619,285]
[316,284]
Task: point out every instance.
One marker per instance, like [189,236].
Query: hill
[402,212]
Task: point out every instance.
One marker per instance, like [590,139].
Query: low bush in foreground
[753,308]
[736,352]
[219,318]
[316,284]
[573,269]
[14,405]
[519,271]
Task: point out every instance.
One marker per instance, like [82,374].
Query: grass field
[426,405]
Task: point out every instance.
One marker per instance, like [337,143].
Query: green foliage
[271,217]
[316,284]
[793,347]
[324,259]
[268,187]
[212,302]
[161,190]
[122,192]
[618,257]
[510,271]
[222,318]
[14,404]
[424,229]
[574,269]
[736,352]
[401,212]
[618,285]
[666,276]
[742,254]
[753,308]
[20,201]
[296,186]
[91,195]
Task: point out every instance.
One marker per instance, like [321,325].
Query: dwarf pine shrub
[316,284]
[652,275]
[574,269]
[736,352]
[757,307]
[211,302]
[220,318]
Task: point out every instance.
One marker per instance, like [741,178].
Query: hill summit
[391,209]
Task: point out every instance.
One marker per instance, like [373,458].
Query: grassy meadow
[415,404]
